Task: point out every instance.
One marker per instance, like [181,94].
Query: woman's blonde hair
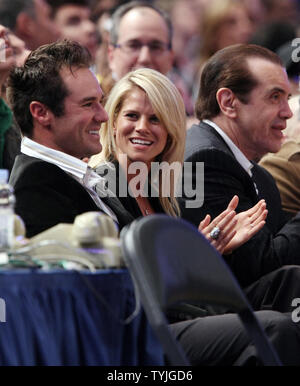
[168,106]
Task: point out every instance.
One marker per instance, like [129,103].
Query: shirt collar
[68,163]
[71,165]
[240,157]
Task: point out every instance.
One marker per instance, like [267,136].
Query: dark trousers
[222,339]
[276,290]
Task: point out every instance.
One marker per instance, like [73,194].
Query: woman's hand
[226,222]
[235,229]
[248,224]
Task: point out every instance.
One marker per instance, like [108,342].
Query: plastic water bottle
[7,202]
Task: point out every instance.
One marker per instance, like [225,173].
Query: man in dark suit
[243,107]
[56,100]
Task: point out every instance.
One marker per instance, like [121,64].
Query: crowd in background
[59,105]
[200,28]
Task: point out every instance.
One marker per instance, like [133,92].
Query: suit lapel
[208,136]
[215,138]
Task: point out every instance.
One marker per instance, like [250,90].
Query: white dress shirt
[240,157]
[76,168]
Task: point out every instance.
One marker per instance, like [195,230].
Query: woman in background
[224,22]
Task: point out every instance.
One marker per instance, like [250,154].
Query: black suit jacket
[46,196]
[278,243]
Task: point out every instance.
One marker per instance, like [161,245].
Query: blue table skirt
[73,318]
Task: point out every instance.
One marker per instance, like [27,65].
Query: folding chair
[171,263]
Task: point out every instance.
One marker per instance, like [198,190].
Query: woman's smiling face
[138,132]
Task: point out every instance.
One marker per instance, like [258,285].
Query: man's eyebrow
[277,89]
[90,99]
[280,90]
[134,40]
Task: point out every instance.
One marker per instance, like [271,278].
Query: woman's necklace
[144,206]
[144,209]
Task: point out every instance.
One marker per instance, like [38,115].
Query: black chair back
[172,263]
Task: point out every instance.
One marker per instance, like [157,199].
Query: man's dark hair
[229,68]
[10,9]
[40,80]
[56,4]
[125,8]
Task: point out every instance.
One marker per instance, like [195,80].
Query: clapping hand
[247,225]
[229,230]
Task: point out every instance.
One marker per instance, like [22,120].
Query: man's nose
[145,55]
[286,111]
[56,31]
[101,114]
[89,27]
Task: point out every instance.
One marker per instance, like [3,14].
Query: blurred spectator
[186,39]
[20,52]
[274,34]
[292,66]
[256,11]
[100,7]
[225,22]
[285,164]
[141,36]
[10,136]
[30,20]
[101,15]
[283,10]
[185,34]
[277,36]
[73,18]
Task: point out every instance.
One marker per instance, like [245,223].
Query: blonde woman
[146,127]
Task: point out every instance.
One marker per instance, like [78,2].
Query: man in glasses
[140,36]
